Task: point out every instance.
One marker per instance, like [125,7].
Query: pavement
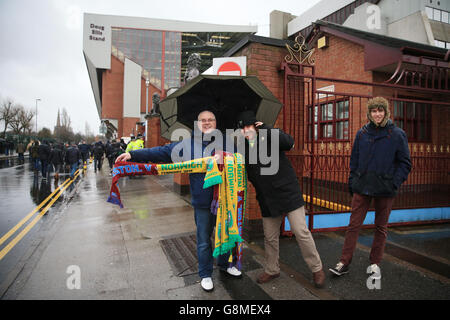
[91,249]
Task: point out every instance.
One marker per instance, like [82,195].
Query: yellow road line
[21,222]
[35,220]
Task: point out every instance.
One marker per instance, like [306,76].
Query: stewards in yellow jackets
[135,144]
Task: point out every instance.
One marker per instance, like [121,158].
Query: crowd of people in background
[47,157]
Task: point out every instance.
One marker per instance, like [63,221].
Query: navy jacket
[200,198]
[380,160]
[73,155]
[84,148]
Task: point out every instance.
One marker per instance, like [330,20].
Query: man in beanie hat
[379,164]
[278,195]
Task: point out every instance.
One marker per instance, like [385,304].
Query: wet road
[21,191]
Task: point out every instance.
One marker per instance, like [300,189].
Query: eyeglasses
[206,120]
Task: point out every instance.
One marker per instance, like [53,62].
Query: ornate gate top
[300,52]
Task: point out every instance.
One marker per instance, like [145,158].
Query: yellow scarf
[231,184]
[227,229]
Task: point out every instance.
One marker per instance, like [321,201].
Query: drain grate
[181,251]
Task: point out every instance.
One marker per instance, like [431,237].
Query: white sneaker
[374,271]
[234,272]
[207,284]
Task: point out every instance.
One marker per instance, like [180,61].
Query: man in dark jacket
[73,157]
[84,150]
[44,155]
[113,150]
[278,194]
[201,198]
[379,164]
[34,152]
[99,151]
[56,159]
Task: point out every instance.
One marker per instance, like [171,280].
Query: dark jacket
[200,198]
[56,156]
[99,150]
[116,149]
[84,148]
[73,155]
[35,150]
[279,193]
[380,160]
[44,151]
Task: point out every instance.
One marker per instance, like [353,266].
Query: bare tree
[22,122]
[7,113]
[65,120]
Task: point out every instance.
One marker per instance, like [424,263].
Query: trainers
[374,271]
[207,284]
[339,269]
[233,272]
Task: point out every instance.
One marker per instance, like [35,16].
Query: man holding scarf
[201,198]
[278,194]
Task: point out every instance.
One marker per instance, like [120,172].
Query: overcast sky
[41,45]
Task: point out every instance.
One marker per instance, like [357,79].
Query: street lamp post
[147,83]
[36,115]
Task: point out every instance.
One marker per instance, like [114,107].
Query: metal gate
[323,123]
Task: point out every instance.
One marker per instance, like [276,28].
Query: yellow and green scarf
[230,185]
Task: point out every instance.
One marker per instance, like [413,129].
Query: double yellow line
[55,195]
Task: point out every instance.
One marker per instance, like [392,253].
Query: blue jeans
[44,165]
[205,222]
[73,168]
[36,163]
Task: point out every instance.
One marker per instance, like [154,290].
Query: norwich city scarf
[230,207]
[229,194]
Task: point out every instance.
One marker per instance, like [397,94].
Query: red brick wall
[342,59]
[112,93]
[112,98]
[264,62]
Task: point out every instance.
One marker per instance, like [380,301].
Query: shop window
[329,121]
[415,119]
[437,15]
[429,12]
[439,43]
[444,17]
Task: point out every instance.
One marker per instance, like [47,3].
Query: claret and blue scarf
[230,184]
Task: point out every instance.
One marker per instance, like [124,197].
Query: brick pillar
[181,183]
[153,132]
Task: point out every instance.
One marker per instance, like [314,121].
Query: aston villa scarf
[123,169]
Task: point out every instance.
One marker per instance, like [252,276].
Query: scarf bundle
[229,181]
[230,206]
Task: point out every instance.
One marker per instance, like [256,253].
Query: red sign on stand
[235,66]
